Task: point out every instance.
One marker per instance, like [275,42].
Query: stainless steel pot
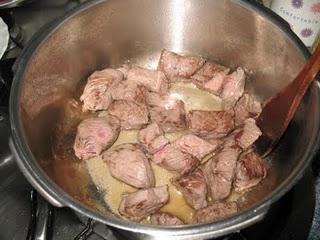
[107,33]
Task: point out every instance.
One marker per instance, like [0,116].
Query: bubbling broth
[113,189]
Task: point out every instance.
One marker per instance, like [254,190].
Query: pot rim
[54,194]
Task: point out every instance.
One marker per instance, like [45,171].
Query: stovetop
[24,214]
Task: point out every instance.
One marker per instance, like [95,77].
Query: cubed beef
[215,212]
[233,88]
[153,80]
[160,100]
[129,164]
[140,204]
[177,67]
[96,94]
[129,91]
[94,135]
[250,170]
[152,138]
[169,114]
[131,114]
[194,189]
[196,146]
[244,136]
[210,124]
[172,159]
[219,173]
[165,219]
[246,107]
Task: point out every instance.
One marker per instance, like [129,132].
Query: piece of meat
[96,94]
[250,171]
[172,159]
[165,219]
[129,164]
[124,69]
[129,91]
[215,212]
[246,107]
[210,124]
[153,80]
[219,173]
[94,135]
[138,205]
[177,67]
[208,71]
[171,117]
[233,88]
[152,138]
[132,115]
[196,146]
[194,189]
[245,136]
[160,100]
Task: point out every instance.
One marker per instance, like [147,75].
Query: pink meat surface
[96,94]
[246,107]
[165,219]
[129,164]
[140,204]
[177,67]
[153,80]
[94,135]
[129,91]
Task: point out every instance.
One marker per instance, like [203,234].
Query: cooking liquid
[113,189]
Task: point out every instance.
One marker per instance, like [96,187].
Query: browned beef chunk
[96,94]
[245,136]
[215,212]
[165,219]
[152,138]
[128,163]
[129,91]
[94,135]
[138,205]
[196,146]
[177,67]
[210,124]
[172,159]
[219,173]
[246,107]
[233,88]
[132,115]
[250,170]
[153,80]
[167,112]
[194,189]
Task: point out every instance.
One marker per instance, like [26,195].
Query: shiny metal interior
[109,33]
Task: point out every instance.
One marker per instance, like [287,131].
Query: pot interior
[110,33]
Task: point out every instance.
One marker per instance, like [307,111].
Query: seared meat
[246,107]
[152,138]
[210,124]
[172,159]
[250,170]
[165,219]
[129,91]
[233,88]
[132,115]
[195,146]
[160,100]
[215,212]
[138,205]
[194,189]
[153,80]
[94,135]
[244,137]
[169,114]
[177,67]
[129,164]
[219,173]
[96,94]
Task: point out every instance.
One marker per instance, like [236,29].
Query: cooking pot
[108,33]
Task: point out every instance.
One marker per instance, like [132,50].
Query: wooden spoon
[280,109]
